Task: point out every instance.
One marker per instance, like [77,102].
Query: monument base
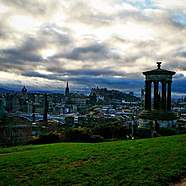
[158,115]
[146,123]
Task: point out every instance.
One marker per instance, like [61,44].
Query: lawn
[157,161]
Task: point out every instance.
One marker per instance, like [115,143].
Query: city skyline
[44,44]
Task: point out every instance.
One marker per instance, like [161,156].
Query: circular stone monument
[158,96]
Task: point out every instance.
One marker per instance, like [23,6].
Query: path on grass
[182,183]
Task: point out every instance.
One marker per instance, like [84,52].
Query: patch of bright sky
[48,52]
[141,4]
[181,71]
[179,18]
[129,31]
[23,23]
[134,31]
[3,8]
[44,72]
[13,78]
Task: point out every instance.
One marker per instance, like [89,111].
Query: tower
[24,90]
[158,96]
[67,90]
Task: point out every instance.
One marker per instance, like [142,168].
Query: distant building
[2,107]
[113,97]
[142,94]
[24,90]
[67,91]
[131,93]
[12,102]
[14,131]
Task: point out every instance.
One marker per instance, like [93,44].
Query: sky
[105,43]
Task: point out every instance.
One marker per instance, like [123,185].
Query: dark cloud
[26,54]
[91,52]
[182,53]
[21,56]
[34,7]
[51,33]
[39,75]
[81,72]
[95,72]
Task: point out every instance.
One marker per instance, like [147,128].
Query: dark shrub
[69,121]
[109,131]
[96,139]
[167,131]
[143,133]
[44,139]
[77,134]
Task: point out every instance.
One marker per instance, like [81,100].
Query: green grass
[156,161]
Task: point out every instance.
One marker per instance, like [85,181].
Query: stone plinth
[158,115]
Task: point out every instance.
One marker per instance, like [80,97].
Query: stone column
[169,96]
[155,94]
[164,95]
[147,95]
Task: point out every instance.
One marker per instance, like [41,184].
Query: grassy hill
[157,161]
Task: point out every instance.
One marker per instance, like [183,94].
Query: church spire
[24,90]
[67,90]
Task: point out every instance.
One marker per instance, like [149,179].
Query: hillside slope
[157,161]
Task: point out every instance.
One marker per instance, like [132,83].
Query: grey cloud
[3,34]
[91,52]
[19,55]
[33,7]
[39,75]
[84,13]
[23,53]
[182,53]
[95,72]
[51,33]
[5,31]
[95,51]
[82,72]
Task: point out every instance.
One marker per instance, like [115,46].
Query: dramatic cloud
[109,43]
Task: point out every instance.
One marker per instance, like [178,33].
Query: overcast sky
[44,43]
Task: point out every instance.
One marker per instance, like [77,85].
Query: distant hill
[3,90]
[147,162]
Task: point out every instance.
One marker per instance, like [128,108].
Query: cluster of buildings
[36,110]
[63,109]
[23,102]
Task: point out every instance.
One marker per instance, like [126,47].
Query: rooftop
[159,71]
